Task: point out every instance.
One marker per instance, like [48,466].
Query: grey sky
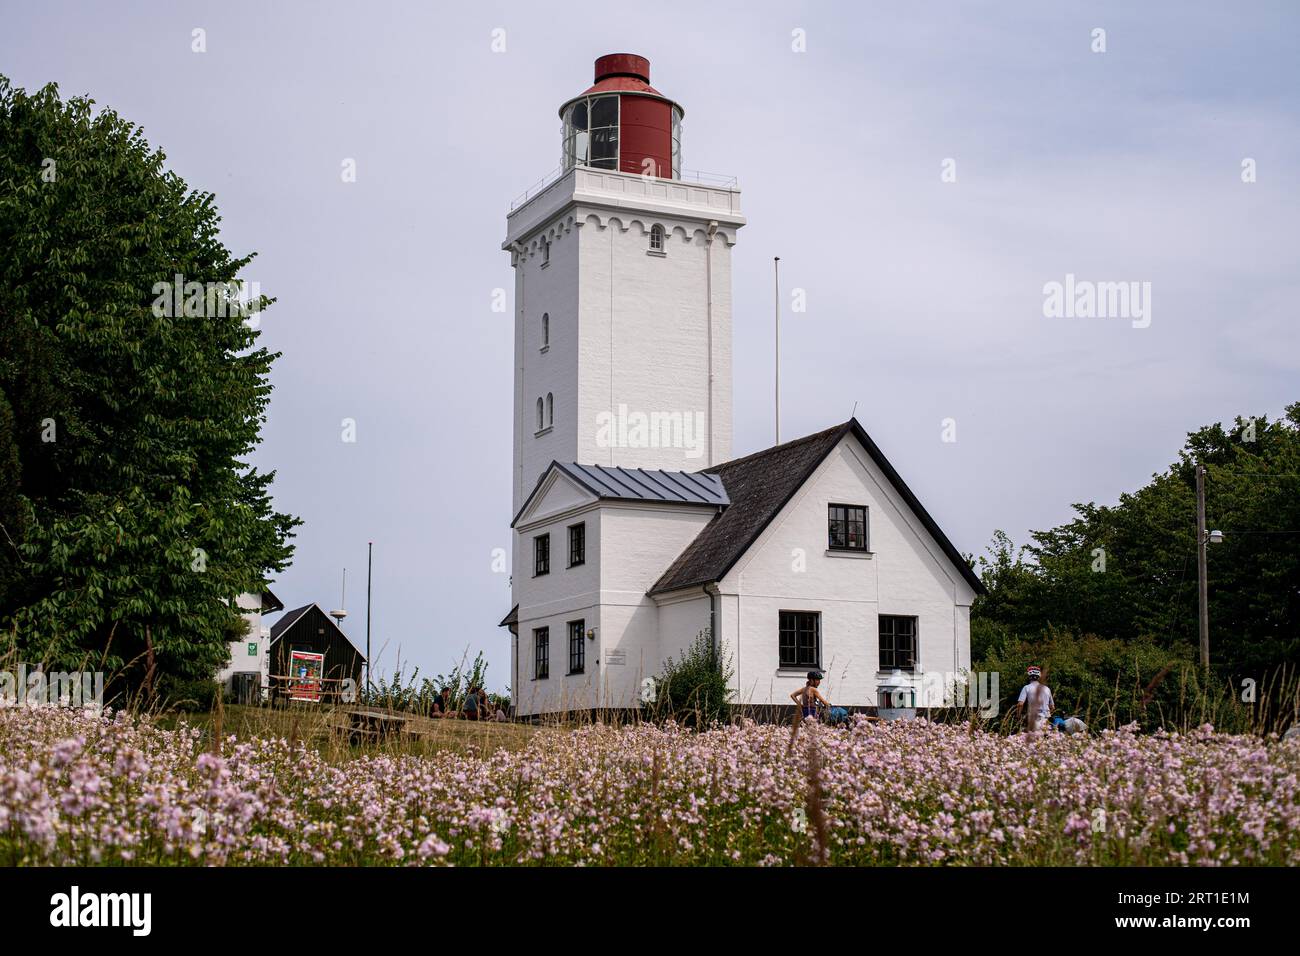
[924,298]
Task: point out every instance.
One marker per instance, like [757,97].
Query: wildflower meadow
[119,788]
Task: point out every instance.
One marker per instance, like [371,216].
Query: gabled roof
[285,623]
[760,485]
[637,484]
[511,618]
[279,626]
[270,603]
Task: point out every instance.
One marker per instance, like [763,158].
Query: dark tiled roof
[280,626]
[270,603]
[759,486]
[638,484]
[511,618]
[292,618]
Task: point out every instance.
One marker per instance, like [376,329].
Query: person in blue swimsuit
[809,698]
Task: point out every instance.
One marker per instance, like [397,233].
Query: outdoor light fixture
[1216,537]
[591,633]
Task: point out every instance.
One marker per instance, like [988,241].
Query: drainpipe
[708,313]
[714,597]
[712,591]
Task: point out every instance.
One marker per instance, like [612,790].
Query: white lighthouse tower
[635,533]
[622,293]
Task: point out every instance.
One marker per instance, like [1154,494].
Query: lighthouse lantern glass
[591,133]
[677,143]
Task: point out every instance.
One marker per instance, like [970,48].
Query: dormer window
[657,239]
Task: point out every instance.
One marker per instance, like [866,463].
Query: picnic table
[368,724]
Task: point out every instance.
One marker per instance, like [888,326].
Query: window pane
[897,642]
[541,652]
[577,650]
[604,144]
[579,114]
[604,111]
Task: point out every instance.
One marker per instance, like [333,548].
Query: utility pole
[370,563]
[776,301]
[1202,575]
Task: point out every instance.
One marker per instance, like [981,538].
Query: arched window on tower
[546,329]
[546,252]
[541,415]
[550,409]
[656,238]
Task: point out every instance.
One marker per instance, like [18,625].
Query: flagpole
[776,301]
[370,563]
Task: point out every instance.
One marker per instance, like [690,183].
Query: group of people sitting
[1035,705]
[475,706]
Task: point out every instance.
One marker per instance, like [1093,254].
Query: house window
[847,528]
[546,330]
[550,409]
[577,544]
[541,555]
[656,238]
[577,649]
[897,642]
[541,653]
[546,252]
[801,639]
[541,415]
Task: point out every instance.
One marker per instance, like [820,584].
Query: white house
[247,674]
[633,531]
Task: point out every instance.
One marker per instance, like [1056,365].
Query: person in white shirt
[1035,701]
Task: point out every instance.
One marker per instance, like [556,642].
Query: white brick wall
[907,574]
[628,547]
[628,329]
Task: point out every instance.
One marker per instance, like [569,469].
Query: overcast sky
[924,298]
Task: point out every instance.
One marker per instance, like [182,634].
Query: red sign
[305,672]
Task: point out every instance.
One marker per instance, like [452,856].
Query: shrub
[1112,682]
[693,690]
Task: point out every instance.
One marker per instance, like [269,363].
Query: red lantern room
[623,123]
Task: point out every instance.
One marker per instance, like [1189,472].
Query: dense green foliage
[128,519]
[1122,578]
[692,690]
[413,694]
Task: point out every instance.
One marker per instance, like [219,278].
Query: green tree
[1128,571]
[129,520]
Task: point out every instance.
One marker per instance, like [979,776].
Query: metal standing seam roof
[638,484]
[650,484]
